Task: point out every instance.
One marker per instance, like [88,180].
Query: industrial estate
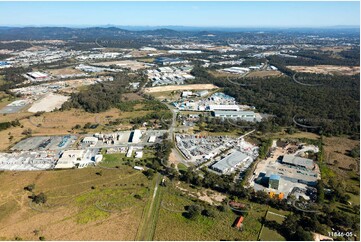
[114,134]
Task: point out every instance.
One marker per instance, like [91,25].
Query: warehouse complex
[287,173]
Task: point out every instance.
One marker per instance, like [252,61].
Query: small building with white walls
[152,139]
[138,154]
[90,140]
[139,168]
[130,152]
[69,159]
[135,136]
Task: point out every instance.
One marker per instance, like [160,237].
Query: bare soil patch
[64,71]
[327,69]
[337,148]
[264,73]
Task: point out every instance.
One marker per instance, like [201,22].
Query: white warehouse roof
[230,162]
[223,107]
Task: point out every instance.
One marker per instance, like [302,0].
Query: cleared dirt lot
[335,49]
[48,103]
[264,73]
[65,71]
[327,69]
[177,88]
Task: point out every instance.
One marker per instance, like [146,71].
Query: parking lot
[45,143]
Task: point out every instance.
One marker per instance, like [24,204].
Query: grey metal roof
[298,161]
[230,161]
[238,113]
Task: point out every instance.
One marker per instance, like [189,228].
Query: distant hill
[39,33]
[114,32]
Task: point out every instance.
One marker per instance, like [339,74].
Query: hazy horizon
[181,14]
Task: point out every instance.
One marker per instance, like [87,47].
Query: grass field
[182,167]
[113,160]
[2,81]
[284,135]
[74,211]
[150,216]
[202,228]
[169,95]
[65,71]
[269,234]
[337,148]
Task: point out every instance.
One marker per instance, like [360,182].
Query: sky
[200,14]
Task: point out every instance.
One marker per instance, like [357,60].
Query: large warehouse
[230,163]
[37,75]
[169,61]
[298,162]
[244,115]
[223,108]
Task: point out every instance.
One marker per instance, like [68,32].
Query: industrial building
[169,61]
[139,154]
[230,163]
[274,181]
[184,51]
[300,162]
[236,70]
[37,76]
[202,93]
[4,64]
[152,139]
[243,115]
[187,93]
[223,108]
[130,152]
[27,161]
[135,136]
[90,140]
[69,159]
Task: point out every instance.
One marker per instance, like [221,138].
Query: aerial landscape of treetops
[331,105]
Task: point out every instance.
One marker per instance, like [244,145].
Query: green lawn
[182,167]
[112,160]
[269,234]
[326,172]
[282,212]
[355,199]
[100,203]
[150,212]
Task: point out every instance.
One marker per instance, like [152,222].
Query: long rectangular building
[298,161]
[223,108]
[230,163]
[243,115]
